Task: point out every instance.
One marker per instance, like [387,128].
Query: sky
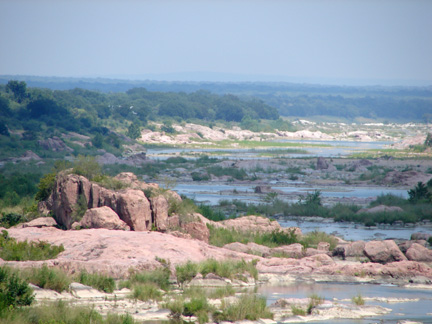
[312,41]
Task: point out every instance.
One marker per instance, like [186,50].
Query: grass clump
[159,277]
[226,269]
[11,250]
[314,301]
[196,306]
[97,281]
[298,311]
[47,278]
[358,300]
[312,239]
[249,307]
[222,292]
[61,313]
[146,291]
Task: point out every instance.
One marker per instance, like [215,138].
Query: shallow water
[356,232]
[416,311]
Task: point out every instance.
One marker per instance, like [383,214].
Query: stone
[383,251]
[419,253]
[54,144]
[322,164]
[420,236]
[323,246]
[197,230]
[40,222]
[103,217]
[312,252]
[159,207]
[134,209]
[257,224]
[250,248]
[291,251]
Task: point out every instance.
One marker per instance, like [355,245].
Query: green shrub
[45,186]
[87,167]
[211,213]
[147,291]
[221,292]
[358,300]
[47,278]
[159,277]
[314,301]
[109,182]
[312,239]
[14,291]
[11,250]
[10,219]
[97,281]
[218,171]
[198,307]
[249,307]
[186,272]
[298,311]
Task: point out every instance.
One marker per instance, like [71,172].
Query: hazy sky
[310,40]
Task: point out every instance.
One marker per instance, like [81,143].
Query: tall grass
[249,307]
[227,269]
[12,250]
[47,278]
[96,280]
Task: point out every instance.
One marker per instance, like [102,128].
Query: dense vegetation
[403,103]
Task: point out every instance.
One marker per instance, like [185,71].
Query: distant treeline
[80,109]
[290,99]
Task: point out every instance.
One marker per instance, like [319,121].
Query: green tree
[419,193]
[98,141]
[19,89]
[134,130]
[428,140]
[14,292]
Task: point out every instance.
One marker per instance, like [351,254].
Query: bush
[358,300]
[249,307]
[47,278]
[186,272]
[14,291]
[10,219]
[97,281]
[159,277]
[45,186]
[11,250]
[147,291]
[87,166]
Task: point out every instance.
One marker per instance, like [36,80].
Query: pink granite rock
[418,252]
[290,251]
[103,217]
[383,251]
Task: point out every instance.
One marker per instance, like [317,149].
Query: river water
[420,310]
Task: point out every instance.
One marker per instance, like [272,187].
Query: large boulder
[419,253]
[257,224]
[39,222]
[250,248]
[197,230]
[295,251]
[134,209]
[160,206]
[420,236]
[383,251]
[103,217]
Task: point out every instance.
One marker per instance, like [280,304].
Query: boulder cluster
[138,206]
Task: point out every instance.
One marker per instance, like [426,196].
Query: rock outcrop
[103,217]
[383,251]
[54,144]
[420,253]
[73,192]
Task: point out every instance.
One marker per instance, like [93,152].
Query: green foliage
[87,166]
[200,176]
[79,209]
[428,140]
[298,311]
[314,301]
[61,313]
[211,213]
[11,250]
[14,291]
[312,239]
[48,278]
[186,272]
[249,307]
[98,281]
[222,292]
[10,219]
[218,171]
[98,140]
[134,130]
[146,291]
[419,193]
[167,127]
[358,300]
[18,88]
[109,182]
[45,186]
[159,277]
